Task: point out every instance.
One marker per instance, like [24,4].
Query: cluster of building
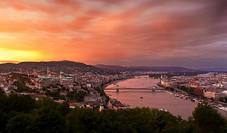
[210,85]
[117,105]
[95,80]
[42,81]
[7,83]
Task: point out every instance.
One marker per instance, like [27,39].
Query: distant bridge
[153,88]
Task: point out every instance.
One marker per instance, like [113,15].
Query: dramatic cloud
[146,32]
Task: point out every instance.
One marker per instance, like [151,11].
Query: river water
[158,99]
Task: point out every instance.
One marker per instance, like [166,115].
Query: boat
[185,97]
[199,101]
[194,100]
[170,92]
[163,110]
[141,97]
[223,108]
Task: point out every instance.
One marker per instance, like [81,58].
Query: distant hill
[60,63]
[223,69]
[111,67]
[66,66]
[144,68]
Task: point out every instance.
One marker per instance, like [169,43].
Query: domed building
[43,82]
[61,75]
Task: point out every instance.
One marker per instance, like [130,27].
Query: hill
[55,66]
[57,63]
[144,68]
[213,69]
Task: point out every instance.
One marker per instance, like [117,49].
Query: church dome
[61,73]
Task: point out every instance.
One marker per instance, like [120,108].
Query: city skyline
[189,34]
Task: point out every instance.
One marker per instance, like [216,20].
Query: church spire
[101,107]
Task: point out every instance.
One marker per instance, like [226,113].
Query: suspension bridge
[118,88]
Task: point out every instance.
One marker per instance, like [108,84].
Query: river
[158,99]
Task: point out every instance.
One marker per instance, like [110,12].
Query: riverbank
[221,107]
[147,98]
[112,82]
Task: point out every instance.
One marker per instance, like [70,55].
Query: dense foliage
[21,114]
[76,97]
[21,79]
[223,99]
[189,90]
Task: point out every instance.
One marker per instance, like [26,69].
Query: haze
[188,33]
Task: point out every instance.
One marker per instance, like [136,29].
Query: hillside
[213,69]
[56,66]
[144,68]
[56,63]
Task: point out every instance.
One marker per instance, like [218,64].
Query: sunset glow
[147,32]
[19,55]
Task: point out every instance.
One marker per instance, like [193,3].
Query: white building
[216,94]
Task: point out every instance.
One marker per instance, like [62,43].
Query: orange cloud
[99,31]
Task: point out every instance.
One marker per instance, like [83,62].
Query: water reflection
[157,99]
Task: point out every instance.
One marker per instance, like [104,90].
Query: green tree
[187,126]
[63,109]
[212,99]
[74,96]
[99,91]
[223,99]
[207,119]
[19,123]
[47,120]
[81,121]
[17,103]
[164,121]
[80,96]
[46,102]
[1,91]
[4,103]
[3,121]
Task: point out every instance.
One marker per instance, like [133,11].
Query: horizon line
[18,62]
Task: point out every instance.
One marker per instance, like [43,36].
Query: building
[211,93]
[198,91]
[117,105]
[43,82]
[167,83]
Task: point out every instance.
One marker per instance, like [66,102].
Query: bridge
[153,88]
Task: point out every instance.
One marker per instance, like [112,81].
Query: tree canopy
[47,116]
[207,119]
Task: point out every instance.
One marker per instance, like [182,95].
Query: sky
[187,33]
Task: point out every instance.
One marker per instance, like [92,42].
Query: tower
[48,70]
[101,107]
[161,79]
